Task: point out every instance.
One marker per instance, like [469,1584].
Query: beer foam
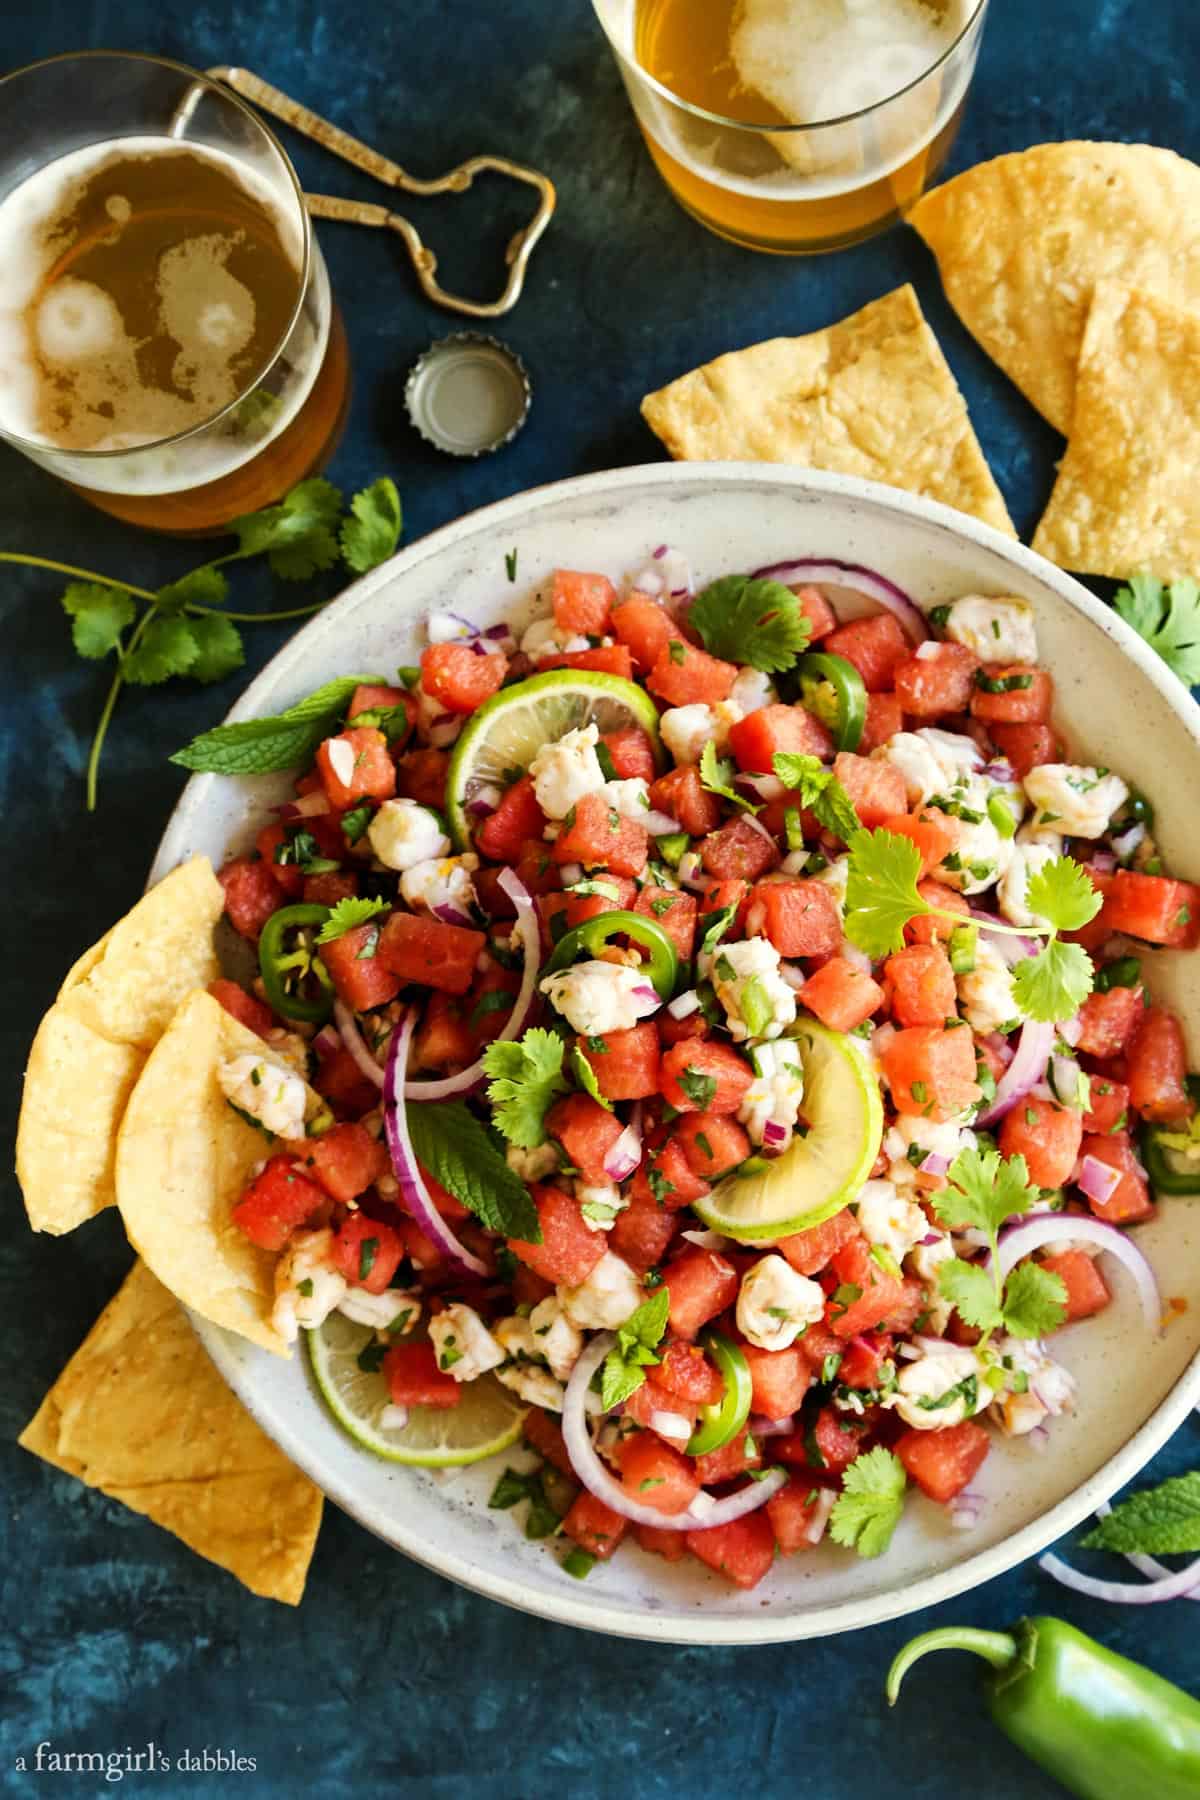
[822,59]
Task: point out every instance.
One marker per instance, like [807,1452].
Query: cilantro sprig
[819,791]
[1158,1521]
[747,621]
[716,774]
[1168,619]
[871,1503]
[526,1078]
[881,898]
[985,1189]
[348,915]
[185,628]
[624,1368]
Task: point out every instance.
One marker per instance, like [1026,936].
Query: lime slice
[507,733]
[486,1419]
[820,1173]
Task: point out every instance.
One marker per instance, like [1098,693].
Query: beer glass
[796,126]
[169,346]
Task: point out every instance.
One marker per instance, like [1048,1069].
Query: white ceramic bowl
[1119,705]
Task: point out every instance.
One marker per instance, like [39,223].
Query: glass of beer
[169,345]
[796,125]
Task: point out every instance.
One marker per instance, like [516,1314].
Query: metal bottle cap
[468,394]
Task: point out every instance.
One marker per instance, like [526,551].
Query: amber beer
[796,125]
[168,341]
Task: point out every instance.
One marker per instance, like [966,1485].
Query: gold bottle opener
[358,212]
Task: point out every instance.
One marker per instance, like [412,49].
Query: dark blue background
[388,1680]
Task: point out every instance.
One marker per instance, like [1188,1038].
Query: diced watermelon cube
[586,1131]
[654,1474]
[517,819]
[811,1251]
[740,851]
[569,1249]
[646,627]
[594,1526]
[414,1379]
[631,753]
[280,1198]
[800,918]
[780,1380]
[625,1063]
[674,912]
[841,994]
[367,1252]
[1087,1290]
[251,895]
[701,1285]
[643,1232]
[346,1161]
[582,602]
[712,1143]
[876,646]
[682,795]
[931,1071]
[704,1076]
[1030,705]
[756,739]
[356,765]
[246,1008]
[742,1551]
[600,837]
[921,984]
[426,951]
[928,687]
[685,676]
[875,789]
[458,679]
[943,1462]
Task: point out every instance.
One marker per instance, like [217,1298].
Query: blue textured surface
[388,1680]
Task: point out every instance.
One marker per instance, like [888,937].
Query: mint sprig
[453,1147]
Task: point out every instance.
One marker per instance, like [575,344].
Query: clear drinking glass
[169,345]
[792,184]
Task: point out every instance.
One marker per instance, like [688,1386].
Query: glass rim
[39,445]
[713,118]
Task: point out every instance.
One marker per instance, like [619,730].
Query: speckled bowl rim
[621,1620]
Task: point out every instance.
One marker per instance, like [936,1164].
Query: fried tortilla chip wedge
[141,1413]
[1022,241]
[1126,501]
[871,396]
[183,1158]
[90,1048]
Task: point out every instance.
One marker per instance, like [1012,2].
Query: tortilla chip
[141,1413]
[113,1006]
[1022,241]
[871,396]
[1126,499]
[183,1158]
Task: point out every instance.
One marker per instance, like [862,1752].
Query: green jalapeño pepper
[593,934]
[296,981]
[723,1419]
[832,689]
[1172,1158]
[1105,1727]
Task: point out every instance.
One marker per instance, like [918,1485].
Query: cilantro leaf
[985,1189]
[585,1075]
[168,647]
[371,536]
[1158,1521]
[1169,622]
[820,792]
[219,648]
[624,1368]
[716,774]
[747,621]
[869,1507]
[526,1077]
[453,1146]
[204,586]
[259,746]
[972,1292]
[1035,1301]
[349,914]
[298,534]
[1054,984]
[1061,893]
[881,890]
[100,615]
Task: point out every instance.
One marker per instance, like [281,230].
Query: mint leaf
[453,1146]
[100,615]
[260,746]
[747,621]
[168,647]
[624,1368]
[819,791]
[1158,1521]
[371,536]
[219,648]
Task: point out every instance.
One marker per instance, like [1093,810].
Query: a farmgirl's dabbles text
[734,1052]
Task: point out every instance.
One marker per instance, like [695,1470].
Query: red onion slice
[308,806]
[624,1156]
[671,1425]
[1181,1585]
[1026,1069]
[1012,949]
[1019,1241]
[452,915]
[658,824]
[761,1429]
[352,1038]
[763,787]
[404,1161]
[935,1164]
[597,1479]
[1098,1180]
[684,1005]
[828,572]
[531,944]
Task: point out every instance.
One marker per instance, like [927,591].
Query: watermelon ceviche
[733,1035]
